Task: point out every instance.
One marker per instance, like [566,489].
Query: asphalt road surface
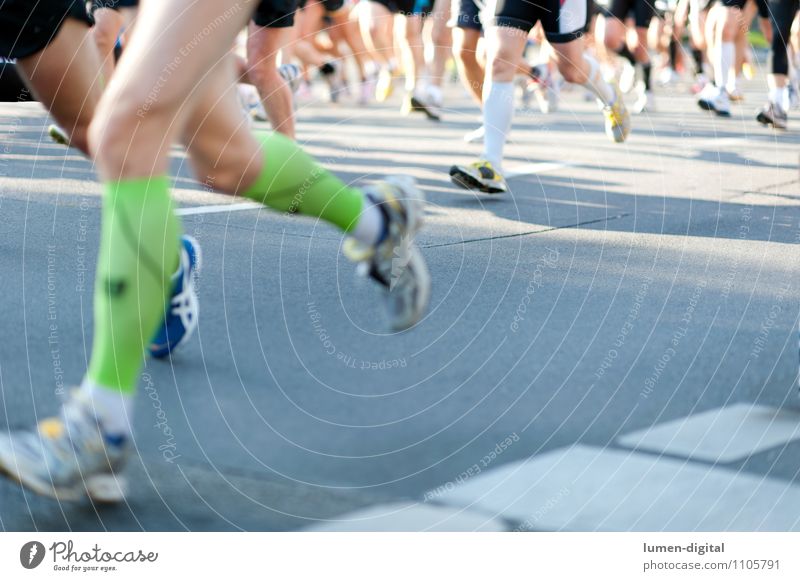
[615,289]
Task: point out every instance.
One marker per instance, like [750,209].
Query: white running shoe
[68,457]
[396,262]
[715,99]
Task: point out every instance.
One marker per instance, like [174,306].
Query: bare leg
[470,69]
[413,51]
[108,23]
[143,110]
[65,78]
[442,36]
[216,137]
[263,46]
[376,29]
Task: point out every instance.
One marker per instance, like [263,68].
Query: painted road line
[218,209]
[404,517]
[721,142]
[536,168]
[583,488]
[726,434]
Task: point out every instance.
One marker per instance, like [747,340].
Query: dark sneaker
[479,176]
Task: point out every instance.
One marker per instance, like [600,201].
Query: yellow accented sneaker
[58,135]
[618,120]
[479,176]
[385,86]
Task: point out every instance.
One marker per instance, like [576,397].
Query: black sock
[646,75]
[538,71]
[697,55]
[626,53]
[673,53]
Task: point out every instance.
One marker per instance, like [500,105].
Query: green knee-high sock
[138,254]
[291,181]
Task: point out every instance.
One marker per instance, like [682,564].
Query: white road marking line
[722,435]
[218,209]
[404,517]
[585,489]
[536,168]
[721,142]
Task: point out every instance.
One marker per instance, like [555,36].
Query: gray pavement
[616,287]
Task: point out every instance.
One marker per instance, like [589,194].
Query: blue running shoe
[181,319]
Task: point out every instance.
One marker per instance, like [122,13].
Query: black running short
[404,7]
[27,27]
[113,4]
[12,88]
[643,11]
[783,13]
[466,14]
[763,6]
[562,21]
[328,5]
[275,13]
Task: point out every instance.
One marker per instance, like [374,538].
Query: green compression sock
[291,181]
[138,254]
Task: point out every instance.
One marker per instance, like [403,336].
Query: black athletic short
[328,5]
[643,11]
[561,21]
[782,13]
[114,4]
[275,13]
[466,14]
[763,6]
[12,88]
[27,27]
[404,7]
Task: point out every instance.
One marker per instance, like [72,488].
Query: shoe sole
[417,105]
[708,106]
[97,487]
[468,182]
[764,120]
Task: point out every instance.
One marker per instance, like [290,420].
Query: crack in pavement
[530,232]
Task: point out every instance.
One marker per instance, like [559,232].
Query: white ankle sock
[597,84]
[498,110]
[723,64]
[779,96]
[370,224]
[112,408]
